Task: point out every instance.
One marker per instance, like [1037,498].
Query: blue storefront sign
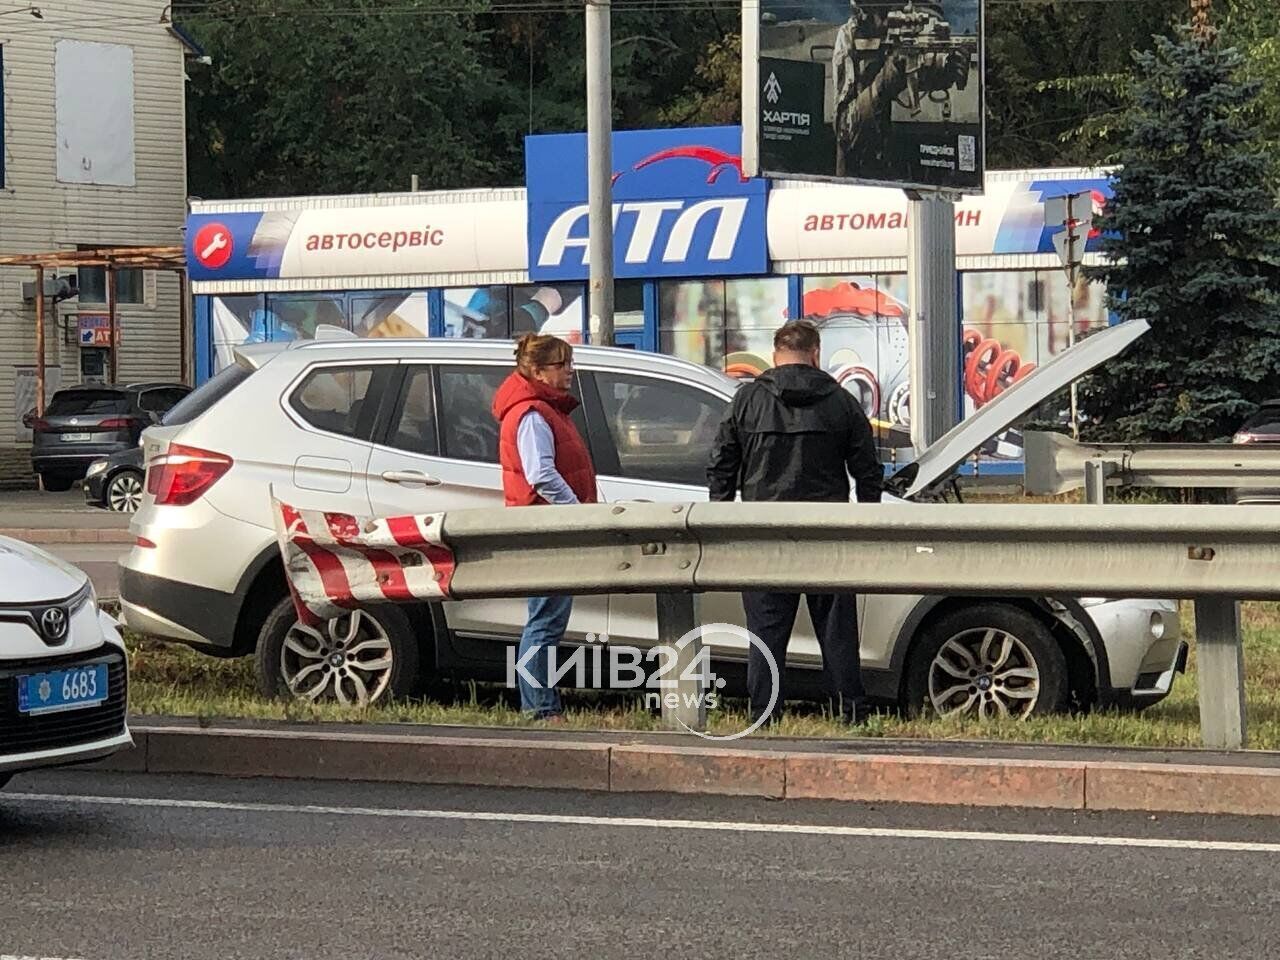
[681,207]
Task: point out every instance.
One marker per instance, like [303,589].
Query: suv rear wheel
[365,657]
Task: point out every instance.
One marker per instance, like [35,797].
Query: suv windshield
[202,399]
[87,402]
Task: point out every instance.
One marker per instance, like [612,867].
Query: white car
[393,427]
[63,670]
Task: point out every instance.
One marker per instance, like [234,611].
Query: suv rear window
[81,402]
[201,400]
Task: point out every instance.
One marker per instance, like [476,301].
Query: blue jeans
[548,618]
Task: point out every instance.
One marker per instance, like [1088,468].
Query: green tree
[297,101]
[1194,247]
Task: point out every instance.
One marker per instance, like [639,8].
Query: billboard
[681,205]
[872,91]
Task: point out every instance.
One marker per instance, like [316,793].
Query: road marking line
[723,826]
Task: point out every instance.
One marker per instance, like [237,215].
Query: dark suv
[84,424]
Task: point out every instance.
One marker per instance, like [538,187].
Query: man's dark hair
[797,336]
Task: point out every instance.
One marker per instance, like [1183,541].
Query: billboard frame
[751,126]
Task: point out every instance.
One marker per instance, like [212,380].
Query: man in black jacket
[795,435]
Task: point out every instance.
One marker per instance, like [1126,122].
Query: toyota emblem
[53,624]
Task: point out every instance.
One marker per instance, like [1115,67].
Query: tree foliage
[1194,242]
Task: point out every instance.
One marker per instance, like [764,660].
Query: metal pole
[184,339]
[113,370]
[1071,305]
[933,327]
[686,705]
[599,171]
[1095,481]
[39,341]
[1220,670]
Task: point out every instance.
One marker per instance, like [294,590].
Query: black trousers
[771,617]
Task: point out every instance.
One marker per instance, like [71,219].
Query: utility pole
[933,326]
[599,171]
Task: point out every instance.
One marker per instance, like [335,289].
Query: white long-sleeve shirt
[537,446]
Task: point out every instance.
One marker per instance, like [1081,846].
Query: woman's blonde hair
[534,350]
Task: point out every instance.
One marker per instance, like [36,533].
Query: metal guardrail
[1057,464]
[979,549]
[1216,555]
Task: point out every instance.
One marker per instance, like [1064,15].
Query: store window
[726,324]
[399,314]
[628,305]
[291,316]
[863,323]
[505,312]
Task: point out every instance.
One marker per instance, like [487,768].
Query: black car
[84,424]
[115,483]
[1262,427]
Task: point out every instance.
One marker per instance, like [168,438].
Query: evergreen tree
[1193,241]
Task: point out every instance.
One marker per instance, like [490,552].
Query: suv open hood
[952,448]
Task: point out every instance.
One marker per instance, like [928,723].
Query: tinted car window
[663,430]
[199,401]
[72,403]
[468,430]
[413,427]
[333,398]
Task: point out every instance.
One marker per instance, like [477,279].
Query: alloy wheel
[348,660]
[985,673]
[124,493]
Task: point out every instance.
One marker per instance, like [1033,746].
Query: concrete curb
[45,535]
[308,753]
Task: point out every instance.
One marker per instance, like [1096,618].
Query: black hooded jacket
[795,435]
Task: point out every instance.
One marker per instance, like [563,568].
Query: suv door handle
[411,476]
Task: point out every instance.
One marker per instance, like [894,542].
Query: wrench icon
[219,241]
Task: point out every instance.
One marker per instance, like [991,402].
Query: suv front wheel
[364,657]
[989,660]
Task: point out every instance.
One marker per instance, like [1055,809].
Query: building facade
[708,263]
[94,155]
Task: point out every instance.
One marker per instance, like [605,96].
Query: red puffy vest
[514,399]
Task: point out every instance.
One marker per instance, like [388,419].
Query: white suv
[394,427]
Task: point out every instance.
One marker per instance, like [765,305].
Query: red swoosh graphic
[718,160]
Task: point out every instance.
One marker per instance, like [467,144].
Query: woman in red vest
[544,461]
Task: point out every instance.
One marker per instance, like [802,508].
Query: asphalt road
[108,867]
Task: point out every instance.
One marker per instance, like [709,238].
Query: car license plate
[59,690]
[68,437]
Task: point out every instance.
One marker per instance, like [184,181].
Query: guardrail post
[1095,481]
[684,705]
[1220,668]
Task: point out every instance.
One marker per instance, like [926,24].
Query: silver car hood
[952,448]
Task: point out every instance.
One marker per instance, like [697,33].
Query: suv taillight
[116,423]
[181,475]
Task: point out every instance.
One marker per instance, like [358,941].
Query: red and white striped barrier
[336,562]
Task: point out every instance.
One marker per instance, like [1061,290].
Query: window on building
[3,139]
[93,93]
[297,316]
[505,312]
[130,285]
[726,324]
